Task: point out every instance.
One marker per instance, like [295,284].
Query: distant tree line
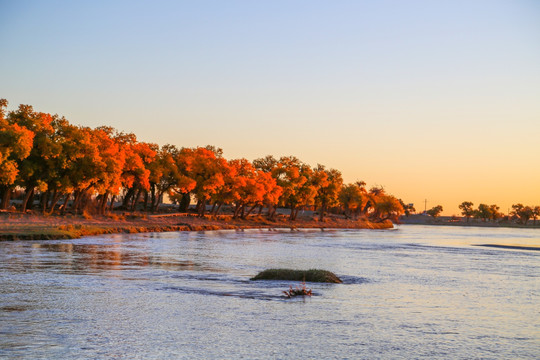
[520,213]
[73,168]
[435,211]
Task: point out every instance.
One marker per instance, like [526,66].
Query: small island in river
[311,275]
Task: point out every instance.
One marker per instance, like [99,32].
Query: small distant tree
[526,214]
[536,213]
[522,213]
[483,212]
[494,213]
[374,195]
[407,208]
[328,184]
[435,211]
[387,207]
[467,209]
[352,197]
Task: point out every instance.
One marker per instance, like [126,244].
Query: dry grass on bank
[19,226]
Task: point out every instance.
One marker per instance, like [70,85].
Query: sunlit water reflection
[412,292]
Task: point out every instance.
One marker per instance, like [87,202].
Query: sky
[433,100]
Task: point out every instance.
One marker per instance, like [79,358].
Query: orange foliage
[15,145]
[47,154]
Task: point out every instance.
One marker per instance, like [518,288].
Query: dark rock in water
[312,275]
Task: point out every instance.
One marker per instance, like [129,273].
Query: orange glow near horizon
[432,100]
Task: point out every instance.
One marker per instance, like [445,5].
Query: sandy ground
[35,226]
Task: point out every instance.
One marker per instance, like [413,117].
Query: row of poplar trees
[72,168]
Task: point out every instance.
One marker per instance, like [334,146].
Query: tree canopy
[435,211]
[77,168]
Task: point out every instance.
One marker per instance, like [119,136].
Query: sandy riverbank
[18,226]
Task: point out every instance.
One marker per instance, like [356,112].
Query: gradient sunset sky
[436,100]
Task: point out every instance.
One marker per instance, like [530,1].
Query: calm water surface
[411,292]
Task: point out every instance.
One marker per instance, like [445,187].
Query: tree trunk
[83,204]
[135,199]
[30,203]
[54,198]
[54,201]
[146,201]
[321,214]
[366,208]
[76,200]
[260,209]
[201,207]
[249,211]
[154,203]
[44,201]
[3,191]
[357,211]
[103,204]
[6,195]
[291,216]
[271,212]
[238,210]
[113,199]
[184,203]
[80,195]
[152,196]
[218,208]
[64,206]
[29,194]
[127,198]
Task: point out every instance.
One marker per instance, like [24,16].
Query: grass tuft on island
[311,275]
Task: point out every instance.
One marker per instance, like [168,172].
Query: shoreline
[18,226]
[447,221]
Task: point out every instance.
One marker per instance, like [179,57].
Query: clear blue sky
[432,99]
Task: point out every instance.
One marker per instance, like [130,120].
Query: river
[411,292]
